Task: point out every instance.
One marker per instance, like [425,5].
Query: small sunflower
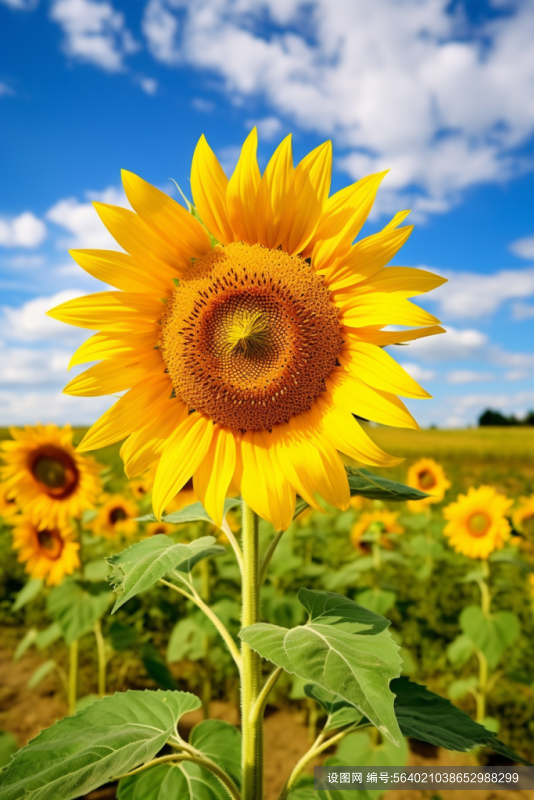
[46,476]
[117,515]
[246,342]
[477,523]
[49,553]
[155,528]
[427,476]
[523,517]
[8,506]
[378,523]
[139,489]
[185,497]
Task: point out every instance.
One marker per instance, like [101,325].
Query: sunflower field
[226,581]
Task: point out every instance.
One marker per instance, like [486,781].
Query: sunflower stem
[73,676]
[101,652]
[251,724]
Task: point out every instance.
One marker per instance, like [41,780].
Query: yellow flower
[523,517]
[427,476]
[381,523]
[477,524]
[8,507]
[244,362]
[154,528]
[115,516]
[139,489]
[185,497]
[49,553]
[45,475]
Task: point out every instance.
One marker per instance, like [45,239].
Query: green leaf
[48,636]
[172,782]
[122,637]
[343,648]
[491,634]
[460,650]
[156,667]
[89,515]
[377,600]
[142,564]
[461,687]
[433,719]
[340,713]
[25,643]
[96,570]
[8,747]
[106,739]
[76,605]
[359,750]
[188,640]
[193,513]
[363,482]
[41,672]
[221,742]
[27,593]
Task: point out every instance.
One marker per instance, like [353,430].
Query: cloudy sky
[442,93]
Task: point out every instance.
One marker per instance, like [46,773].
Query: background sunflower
[116,515]
[477,522]
[50,552]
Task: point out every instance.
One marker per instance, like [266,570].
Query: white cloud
[453,345]
[522,311]
[21,5]
[24,262]
[524,248]
[413,86]
[26,230]
[268,127]
[206,106]
[21,366]
[82,221]
[418,373]
[42,405]
[460,376]
[29,323]
[517,375]
[6,91]
[228,157]
[149,85]
[94,33]
[470,295]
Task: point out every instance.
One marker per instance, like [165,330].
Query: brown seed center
[50,543]
[55,471]
[427,479]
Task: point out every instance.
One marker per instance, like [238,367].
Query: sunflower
[45,475]
[154,528]
[49,553]
[8,507]
[427,476]
[477,523]
[379,524]
[115,516]
[246,342]
[139,489]
[523,517]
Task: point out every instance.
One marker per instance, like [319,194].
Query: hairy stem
[251,724]
[234,544]
[482,686]
[261,702]
[101,651]
[268,555]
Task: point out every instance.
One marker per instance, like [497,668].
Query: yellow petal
[110,311]
[113,376]
[342,220]
[280,494]
[133,411]
[404,281]
[311,187]
[382,338]
[209,185]
[181,456]
[126,273]
[375,367]
[115,345]
[138,238]
[372,404]
[275,203]
[212,478]
[144,446]
[292,453]
[252,482]
[346,435]
[242,191]
[365,258]
[166,217]
[380,308]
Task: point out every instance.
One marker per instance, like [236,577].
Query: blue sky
[440,92]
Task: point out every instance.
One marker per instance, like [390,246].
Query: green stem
[101,651]
[73,676]
[485,596]
[251,724]
[377,561]
[268,555]
[482,687]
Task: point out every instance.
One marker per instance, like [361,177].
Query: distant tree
[495,418]
[529,419]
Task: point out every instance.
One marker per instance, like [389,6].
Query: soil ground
[24,712]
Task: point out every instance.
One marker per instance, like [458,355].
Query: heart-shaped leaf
[172,782]
[221,742]
[105,740]
[76,605]
[140,566]
[491,634]
[343,648]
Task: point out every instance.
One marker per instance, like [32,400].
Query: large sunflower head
[427,476]
[477,523]
[375,526]
[50,552]
[116,516]
[245,343]
[46,476]
[8,506]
